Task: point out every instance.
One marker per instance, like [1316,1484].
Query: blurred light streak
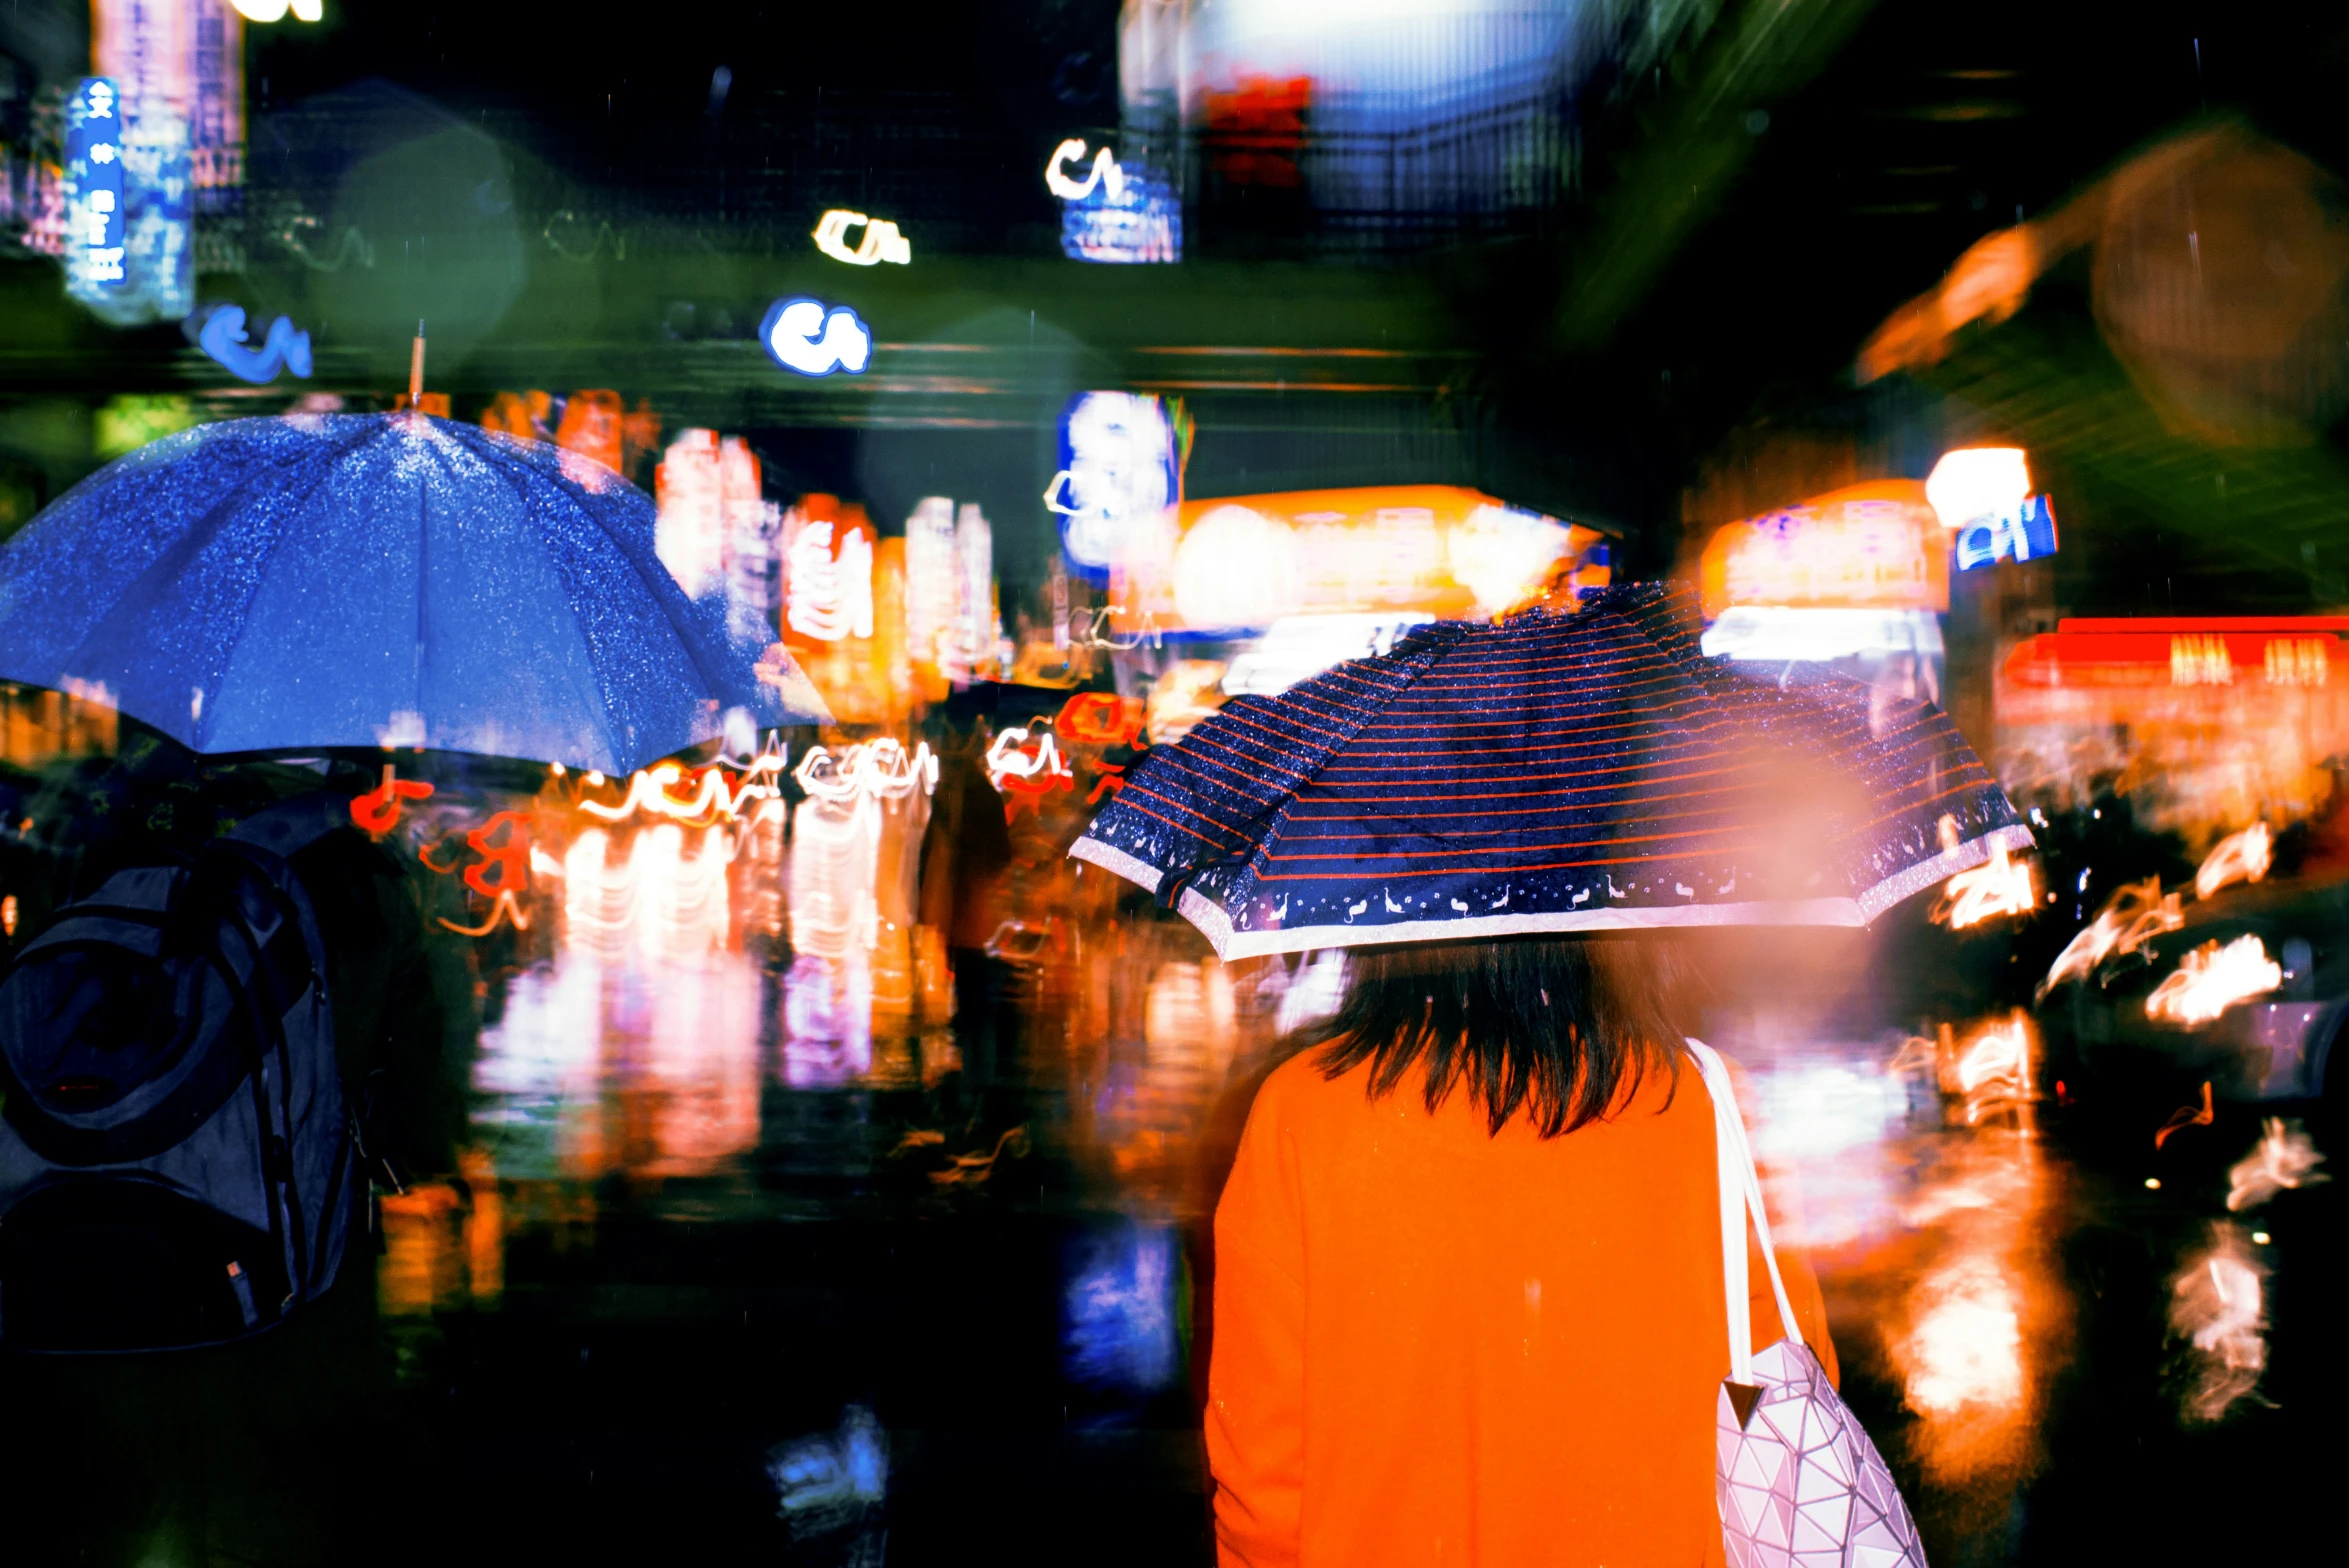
[1998,886]
[2136,913]
[648,792]
[2239,857]
[504,909]
[2212,978]
[1119,1329]
[2186,1116]
[2218,1306]
[969,1170]
[2285,1156]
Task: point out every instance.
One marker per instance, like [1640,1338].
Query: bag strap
[1741,1196]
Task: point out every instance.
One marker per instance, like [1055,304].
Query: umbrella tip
[416,368]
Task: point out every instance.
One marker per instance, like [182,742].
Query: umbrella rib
[686,639]
[512,475]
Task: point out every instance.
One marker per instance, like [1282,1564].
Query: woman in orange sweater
[1468,1285]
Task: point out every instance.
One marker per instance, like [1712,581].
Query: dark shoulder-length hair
[1564,1028]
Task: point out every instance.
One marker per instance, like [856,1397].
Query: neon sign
[1117,468]
[94,204]
[2024,534]
[809,338]
[1104,172]
[282,347]
[882,241]
[378,811]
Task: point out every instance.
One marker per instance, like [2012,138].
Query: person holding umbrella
[1476,1251]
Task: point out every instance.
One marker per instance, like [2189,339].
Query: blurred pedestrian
[1469,1288]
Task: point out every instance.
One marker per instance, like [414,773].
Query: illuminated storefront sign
[93,190]
[282,347]
[812,339]
[1237,565]
[881,240]
[1119,468]
[1871,546]
[2229,651]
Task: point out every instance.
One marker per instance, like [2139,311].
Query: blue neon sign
[810,338]
[281,347]
[2025,534]
[94,246]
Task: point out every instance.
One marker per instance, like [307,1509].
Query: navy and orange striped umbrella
[1584,771]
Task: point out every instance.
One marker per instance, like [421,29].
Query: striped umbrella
[1582,771]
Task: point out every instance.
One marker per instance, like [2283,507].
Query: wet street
[756,1256]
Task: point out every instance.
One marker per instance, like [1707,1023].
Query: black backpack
[176,1160]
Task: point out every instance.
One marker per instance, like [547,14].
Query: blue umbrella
[311,581]
[1552,772]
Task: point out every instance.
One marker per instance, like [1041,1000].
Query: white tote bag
[1799,1484]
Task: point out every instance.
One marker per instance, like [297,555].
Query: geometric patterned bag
[1799,1484]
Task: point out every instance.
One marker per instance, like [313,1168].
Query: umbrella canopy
[312,581]
[1553,772]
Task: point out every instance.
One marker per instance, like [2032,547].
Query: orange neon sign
[378,811]
[1869,546]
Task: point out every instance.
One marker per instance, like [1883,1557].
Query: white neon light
[1976,482]
[1005,759]
[806,336]
[266,11]
[1104,169]
[882,241]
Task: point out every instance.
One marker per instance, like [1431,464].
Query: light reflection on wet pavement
[752,1255]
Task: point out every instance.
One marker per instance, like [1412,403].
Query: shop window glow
[812,339]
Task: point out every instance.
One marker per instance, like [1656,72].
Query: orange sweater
[1436,1346]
